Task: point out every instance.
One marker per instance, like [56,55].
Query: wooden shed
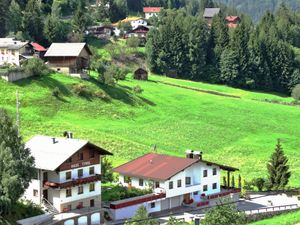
[140,74]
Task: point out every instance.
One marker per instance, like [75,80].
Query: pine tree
[4,4]
[80,18]
[15,17]
[278,169]
[229,66]
[141,218]
[16,164]
[33,21]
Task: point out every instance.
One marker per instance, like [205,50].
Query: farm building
[209,13]
[232,21]
[141,74]
[151,11]
[70,58]
[175,182]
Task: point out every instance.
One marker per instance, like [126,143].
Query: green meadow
[239,132]
[285,219]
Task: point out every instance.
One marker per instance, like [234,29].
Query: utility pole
[18,113]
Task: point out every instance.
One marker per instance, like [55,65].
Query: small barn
[140,74]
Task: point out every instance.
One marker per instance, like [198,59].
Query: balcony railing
[74,182]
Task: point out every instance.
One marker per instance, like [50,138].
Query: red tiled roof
[155,166]
[232,18]
[152,9]
[38,47]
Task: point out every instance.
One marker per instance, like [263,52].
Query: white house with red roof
[232,21]
[151,11]
[175,182]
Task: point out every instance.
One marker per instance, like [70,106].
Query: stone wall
[14,76]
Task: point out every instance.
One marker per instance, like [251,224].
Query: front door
[45,194]
[187,198]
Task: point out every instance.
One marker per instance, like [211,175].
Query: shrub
[137,89]
[35,67]
[259,183]
[102,95]
[296,92]
[113,74]
[82,90]
[56,92]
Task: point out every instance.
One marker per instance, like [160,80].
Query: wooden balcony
[73,183]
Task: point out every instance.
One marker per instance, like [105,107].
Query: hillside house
[133,21]
[14,52]
[101,31]
[209,13]
[175,181]
[69,58]
[139,32]
[68,173]
[140,74]
[233,21]
[151,11]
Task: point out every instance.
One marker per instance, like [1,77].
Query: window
[69,160]
[188,180]
[92,203]
[141,182]
[92,154]
[204,173]
[195,193]
[214,171]
[204,187]
[156,184]
[68,175]
[36,175]
[92,170]
[179,183]
[214,186]
[35,193]
[127,179]
[92,187]
[68,192]
[80,156]
[80,190]
[171,185]
[152,205]
[80,172]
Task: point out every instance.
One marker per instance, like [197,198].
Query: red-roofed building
[175,181]
[151,11]
[232,21]
[38,50]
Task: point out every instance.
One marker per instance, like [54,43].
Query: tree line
[254,56]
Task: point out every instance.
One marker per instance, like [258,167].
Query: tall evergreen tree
[141,218]
[15,17]
[4,4]
[16,164]
[278,169]
[33,20]
[229,67]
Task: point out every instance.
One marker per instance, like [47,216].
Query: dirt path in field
[199,90]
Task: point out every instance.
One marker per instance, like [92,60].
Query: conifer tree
[141,218]
[15,17]
[278,169]
[16,164]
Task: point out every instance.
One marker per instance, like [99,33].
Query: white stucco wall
[74,172]
[75,196]
[9,57]
[149,15]
[34,185]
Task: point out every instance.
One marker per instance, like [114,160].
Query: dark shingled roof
[211,12]
[160,167]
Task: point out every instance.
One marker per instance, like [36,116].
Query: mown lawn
[237,132]
[285,219]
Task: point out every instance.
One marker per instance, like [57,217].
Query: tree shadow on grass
[120,92]
[45,81]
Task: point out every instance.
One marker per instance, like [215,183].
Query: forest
[257,56]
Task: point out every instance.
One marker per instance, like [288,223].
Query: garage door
[165,204]
[175,202]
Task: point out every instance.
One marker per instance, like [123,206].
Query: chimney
[189,154]
[54,140]
[200,156]
[68,134]
[197,155]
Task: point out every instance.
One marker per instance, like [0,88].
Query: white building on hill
[175,182]
[68,173]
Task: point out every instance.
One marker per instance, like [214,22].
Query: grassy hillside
[238,132]
[285,219]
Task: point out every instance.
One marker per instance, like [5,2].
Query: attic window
[69,160]
[80,156]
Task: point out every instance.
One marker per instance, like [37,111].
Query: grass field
[237,132]
[285,219]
